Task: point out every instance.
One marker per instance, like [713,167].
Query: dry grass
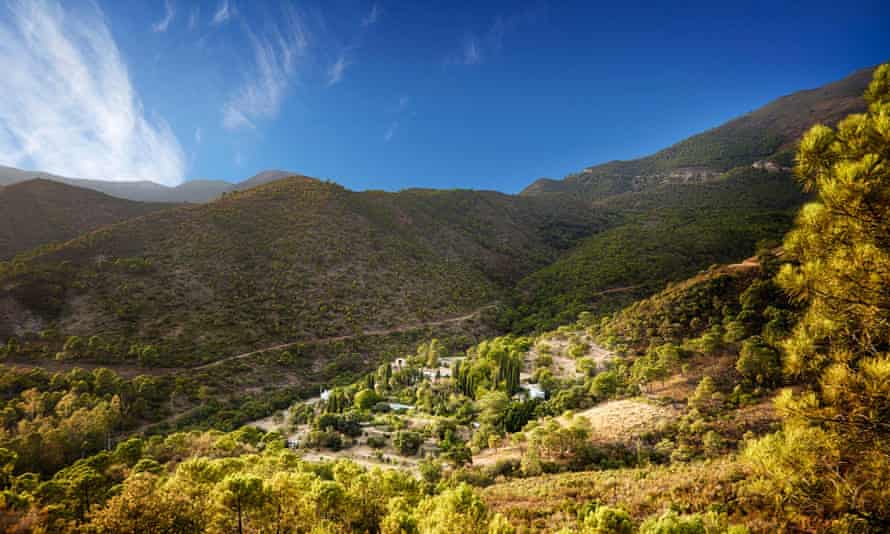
[623,420]
[550,502]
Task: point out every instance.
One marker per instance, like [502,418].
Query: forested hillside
[299,357]
[667,233]
[297,259]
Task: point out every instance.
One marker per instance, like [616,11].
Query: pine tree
[840,267]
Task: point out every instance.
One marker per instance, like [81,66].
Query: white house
[534,391]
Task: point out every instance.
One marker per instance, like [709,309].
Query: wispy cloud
[372,16]
[390,132]
[398,109]
[169,14]
[67,105]
[472,52]
[337,70]
[479,47]
[223,13]
[193,17]
[275,57]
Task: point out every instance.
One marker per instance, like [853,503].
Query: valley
[679,343]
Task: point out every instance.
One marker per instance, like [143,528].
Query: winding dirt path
[131,370]
[383,332]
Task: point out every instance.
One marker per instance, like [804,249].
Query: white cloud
[371,17]
[337,70]
[479,47]
[275,57]
[164,23]
[223,13]
[472,52]
[391,131]
[67,105]
[193,17]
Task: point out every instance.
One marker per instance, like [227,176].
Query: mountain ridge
[767,133]
[196,191]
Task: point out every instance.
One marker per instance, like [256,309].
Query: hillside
[667,233]
[193,191]
[768,133]
[293,260]
[39,211]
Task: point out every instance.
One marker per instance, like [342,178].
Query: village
[412,412]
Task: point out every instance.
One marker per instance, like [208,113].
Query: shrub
[376,442]
[324,439]
[407,442]
[607,520]
[672,523]
[504,467]
[366,399]
[759,362]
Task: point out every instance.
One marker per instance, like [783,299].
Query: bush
[366,399]
[407,442]
[505,467]
[376,442]
[430,471]
[671,522]
[324,439]
[759,362]
[605,384]
[607,520]
[347,423]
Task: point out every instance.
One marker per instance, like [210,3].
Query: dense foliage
[668,235]
[833,457]
[667,415]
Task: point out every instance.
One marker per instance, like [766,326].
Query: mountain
[300,259]
[40,211]
[662,234]
[294,259]
[769,133]
[193,191]
[262,178]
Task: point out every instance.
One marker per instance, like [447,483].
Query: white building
[534,391]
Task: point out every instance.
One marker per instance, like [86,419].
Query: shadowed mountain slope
[295,259]
[38,212]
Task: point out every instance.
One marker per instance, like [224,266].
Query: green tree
[366,399]
[407,442]
[493,408]
[759,362]
[454,510]
[607,520]
[8,459]
[706,399]
[241,493]
[840,268]
[83,486]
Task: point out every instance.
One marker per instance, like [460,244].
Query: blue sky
[389,95]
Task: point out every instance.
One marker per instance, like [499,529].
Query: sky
[391,95]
